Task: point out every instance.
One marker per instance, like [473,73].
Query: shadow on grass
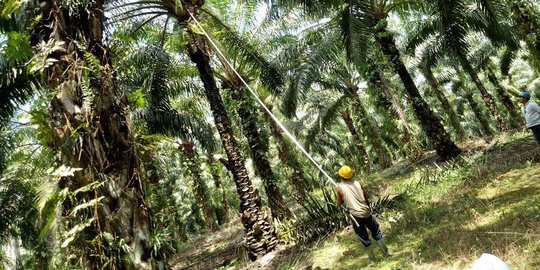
[466,226]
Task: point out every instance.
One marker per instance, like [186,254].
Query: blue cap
[525,95]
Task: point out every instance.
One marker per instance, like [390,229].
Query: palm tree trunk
[383,160]
[486,96]
[222,213]
[200,188]
[484,125]
[258,144]
[431,124]
[452,116]
[100,142]
[362,153]
[515,115]
[259,233]
[409,141]
[297,180]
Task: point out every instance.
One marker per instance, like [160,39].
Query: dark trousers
[536,132]
[368,223]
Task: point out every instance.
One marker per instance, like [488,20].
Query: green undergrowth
[486,201]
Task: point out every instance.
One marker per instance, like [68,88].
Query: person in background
[531,112]
[351,193]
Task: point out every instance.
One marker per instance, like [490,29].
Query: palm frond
[406,5]
[326,118]
[452,24]
[16,83]
[431,53]
[314,8]
[164,80]
[308,72]
[295,49]
[17,211]
[497,26]
[419,34]
[355,32]
[244,54]
[481,53]
[323,216]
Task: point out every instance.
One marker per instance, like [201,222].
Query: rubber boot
[384,248]
[370,253]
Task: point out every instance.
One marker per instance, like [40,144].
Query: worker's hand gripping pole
[350,215]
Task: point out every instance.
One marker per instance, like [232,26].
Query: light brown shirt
[353,197]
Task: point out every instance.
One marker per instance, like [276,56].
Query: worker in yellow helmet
[351,193]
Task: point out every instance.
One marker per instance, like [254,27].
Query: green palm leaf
[326,118]
[246,56]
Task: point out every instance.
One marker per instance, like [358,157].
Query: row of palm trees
[336,64]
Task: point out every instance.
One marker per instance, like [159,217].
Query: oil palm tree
[253,67]
[446,30]
[445,104]
[287,156]
[91,131]
[347,106]
[325,69]
[259,233]
[460,88]
[482,57]
[385,95]
[515,118]
[222,213]
[363,21]
[163,80]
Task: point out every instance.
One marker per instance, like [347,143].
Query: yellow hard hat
[345,172]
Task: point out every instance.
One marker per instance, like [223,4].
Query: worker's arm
[366,196]
[339,195]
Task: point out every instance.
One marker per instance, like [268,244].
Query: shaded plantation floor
[212,250]
[452,214]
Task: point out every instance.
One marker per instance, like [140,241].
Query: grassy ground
[489,201]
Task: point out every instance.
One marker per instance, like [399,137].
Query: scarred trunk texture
[297,180]
[366,162]
[452,116]
[431,124]
[258,144]
[516,120]
[486,96]
[94,135]
[259,233]
[200,187]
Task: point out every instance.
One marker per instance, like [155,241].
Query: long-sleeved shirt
[531,112]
